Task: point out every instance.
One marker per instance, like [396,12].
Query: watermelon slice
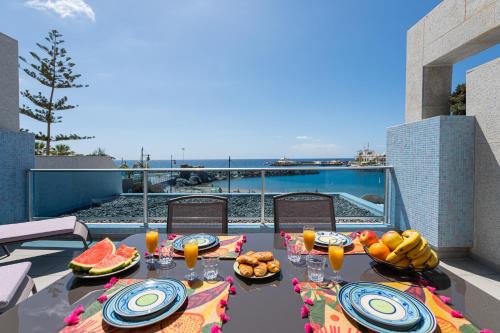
[112,262]
[93,256]
[126,252]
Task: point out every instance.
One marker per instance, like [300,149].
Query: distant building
[369,157]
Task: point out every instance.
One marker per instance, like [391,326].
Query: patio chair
[16,285]
[63,227]
[302,208]
[195,210]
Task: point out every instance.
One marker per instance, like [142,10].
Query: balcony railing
[361,194]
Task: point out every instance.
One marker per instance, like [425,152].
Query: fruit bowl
[408,269]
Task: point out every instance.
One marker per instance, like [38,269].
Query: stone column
[483,102]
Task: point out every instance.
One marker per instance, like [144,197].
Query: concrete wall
[433,177]
[451,32]
[9,84]
[74,162]
[483,102]
[59,192]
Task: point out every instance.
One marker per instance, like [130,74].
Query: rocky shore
[242,208]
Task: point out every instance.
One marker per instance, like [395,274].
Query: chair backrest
[198,210]
[303,208]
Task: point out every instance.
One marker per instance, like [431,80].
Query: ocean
[355,182]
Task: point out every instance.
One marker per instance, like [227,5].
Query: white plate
[86,275]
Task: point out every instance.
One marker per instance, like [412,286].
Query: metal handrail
[147,171]
[219,169]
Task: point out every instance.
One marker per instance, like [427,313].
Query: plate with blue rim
[205,241]
[426,324]
[144,298]
[384,306]
[112,318]
[323,238]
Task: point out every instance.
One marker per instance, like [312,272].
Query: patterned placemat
[326,314]
[201,313]
[227,248]
[355,248]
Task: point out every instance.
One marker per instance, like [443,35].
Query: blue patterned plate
[384,307]
[112,318]
[144,298]
[205,241]
[426,324]
[323,238]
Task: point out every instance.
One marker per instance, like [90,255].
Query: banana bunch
[413,251]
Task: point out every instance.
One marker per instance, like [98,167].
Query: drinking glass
[190,257]
[151,244]
[165,256]
[294,249]
[309,236]
[210,267]
[316,268]
[336,258]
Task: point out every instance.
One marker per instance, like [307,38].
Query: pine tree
[62,150]
[457,100]
[53,70]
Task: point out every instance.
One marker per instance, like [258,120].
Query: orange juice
[151,240]
[191,254]
[336,257]
[309,236]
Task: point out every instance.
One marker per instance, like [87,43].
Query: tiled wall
[433,177]
[16,156]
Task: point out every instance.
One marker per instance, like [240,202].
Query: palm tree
[39,148]
[62,150]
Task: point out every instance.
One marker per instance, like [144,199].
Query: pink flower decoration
[456,314]
[146,254]
[295,281]
[423,282]
[304,312]
[102,299]
[239,243]
[78,310]
[237,249]
[244,238]
[297,289]
[284,243]
[288,236]
[308,328]
[156,250]
[308,301]
[224,317]
[223,303]
[431,289]
[108,285]
[282,233]
[215,329]
[485,330]
[113,280]
[230,279]
[232,290]
[72,319]
[446,300]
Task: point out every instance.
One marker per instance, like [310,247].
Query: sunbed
[16,285]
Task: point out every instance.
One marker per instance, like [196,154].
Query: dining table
[268,305]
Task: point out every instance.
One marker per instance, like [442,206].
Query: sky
[246,79]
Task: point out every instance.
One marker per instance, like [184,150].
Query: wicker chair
[303,208]
[197,209]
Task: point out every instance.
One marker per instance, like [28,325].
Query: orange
[379,250]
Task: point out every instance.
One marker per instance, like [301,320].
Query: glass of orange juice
[309,236]
[336,258]
[151,243]
[191,256]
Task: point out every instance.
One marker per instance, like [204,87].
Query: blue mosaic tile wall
[16,156]
[433,178]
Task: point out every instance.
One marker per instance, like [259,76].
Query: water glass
[294,249]
[210,267]
[165,256]
[316,268]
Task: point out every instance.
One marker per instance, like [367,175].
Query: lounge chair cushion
[16,232]
[12,276]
